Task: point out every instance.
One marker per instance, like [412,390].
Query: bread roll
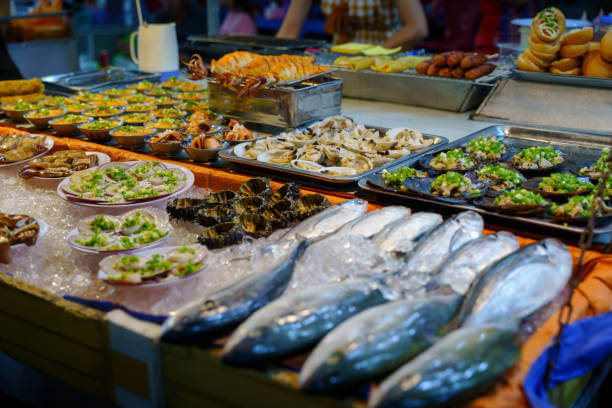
[594,46]
[573,51]
[548,25]
[581,36]
[566,64]
[594,66]
[543,48]
[605,47]
[544,56]
[524,64]
[537,61]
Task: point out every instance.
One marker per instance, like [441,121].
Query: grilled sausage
[479,71]
[445,72]
[472,61]
[458,72]
[455,58]
[422,67]
[433,70]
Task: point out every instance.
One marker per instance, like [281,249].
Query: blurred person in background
[240,19]
[189,16]
[390,23]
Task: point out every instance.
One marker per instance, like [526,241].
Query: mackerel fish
[402,235]
[376,342]
[372,222]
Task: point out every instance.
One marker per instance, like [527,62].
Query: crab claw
[197,68]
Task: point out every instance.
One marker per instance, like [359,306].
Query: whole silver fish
[231,305]
[297,321]
[328,220]
[376,342]
[372,222]
[519,284]
[465,264]
[402,235]
[456,368]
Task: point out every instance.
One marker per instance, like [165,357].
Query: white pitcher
[157,48]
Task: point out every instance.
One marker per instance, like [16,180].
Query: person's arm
[295,18]
[415,24]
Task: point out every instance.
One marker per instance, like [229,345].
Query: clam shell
[311,204]
[85,223]
[276,156]
[176,256]
[185,208]
[111,240]
[307,165]
[248,150]
[225,197]
[281,214]
[151,214]
[255,187]
[221,235]
[339,171]
[290,191]
[254,225]
[216,214]
[250,205]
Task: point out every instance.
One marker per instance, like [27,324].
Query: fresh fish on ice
[376,342]
[458,367]
[297,321]
[231,305]
[519,284]
[328,220]
[372,222]
[465,264]
[402,235]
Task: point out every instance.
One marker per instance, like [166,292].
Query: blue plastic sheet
[584,345]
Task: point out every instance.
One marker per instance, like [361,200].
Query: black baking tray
[580,149]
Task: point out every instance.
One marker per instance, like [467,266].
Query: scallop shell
[112,265]
[85,223]
[289,191]
[225,197]
[339,171]
[150,168]
[216,214]
[334,123]
[248,150]
[136,238]
[306,165]
[355,161]
[276,156]
[281,214]
[111,165]
[111,240]
[311,204]
[255,187]
[182,258]
[255,225]
[185,208]
[250,205]
[221,235]
[312,153]
[151,214]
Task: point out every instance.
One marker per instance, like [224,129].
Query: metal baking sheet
[551,106]
[75,82]
[228,154]
[575,80]
[284,106]
[581,149]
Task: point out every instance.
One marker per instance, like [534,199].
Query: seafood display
[395,179]
[251,71]
[62,163]
[453,184]
[16,148]
[170,264]
[237,132]
[134,230]
[500,177]
[16,229]
[124,182]
[253,210]
[537,158]
[335,147]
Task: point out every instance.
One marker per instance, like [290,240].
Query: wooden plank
[204,374]
[54,347]
[27,302]
[54,369]
[178,396]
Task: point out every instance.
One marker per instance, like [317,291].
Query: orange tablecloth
[593,296]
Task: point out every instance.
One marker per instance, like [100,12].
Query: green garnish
[564,183]
[71,118]
[97,241]
[117,173]
[537,157]
[101,223]
[185,249]
[397,177]
[598,166]
[452,184]
[24,106]
[499,172]
[519,196]
[488,148]
[100,125]
[575,207]
[452,160]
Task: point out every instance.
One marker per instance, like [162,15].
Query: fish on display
[457,368]
[229,306]
[376,342]
[374,221]
[297,321]
[328,220]
[434,248]
[519,284]
[465,264]
[402,235]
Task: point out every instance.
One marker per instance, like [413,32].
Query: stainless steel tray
[228,154]
[581,148]
[284,106]
[74,82]
[576,80]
